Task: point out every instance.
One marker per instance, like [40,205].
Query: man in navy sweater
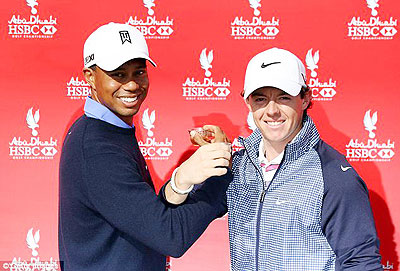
[110,217]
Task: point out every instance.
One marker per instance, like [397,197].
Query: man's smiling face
[277,114]
[122,90]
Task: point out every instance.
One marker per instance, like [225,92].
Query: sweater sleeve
[118,193]
[347,219]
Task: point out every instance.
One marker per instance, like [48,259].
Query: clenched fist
[209,160]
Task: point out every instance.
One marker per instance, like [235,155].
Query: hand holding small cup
[207,134]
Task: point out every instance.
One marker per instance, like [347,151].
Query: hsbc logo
[165,30]
[77,89]
[254,27]
[48,29]
[372,28]
[221,92]
[33,26]
[326,92]
[151,26]
[321,90]
[372,149]
[152,148]
[386,153]
[49,151]
[206,88]
[33,147]
[365,154]
[164,152]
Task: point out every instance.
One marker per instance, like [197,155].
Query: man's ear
[306,99]
[248,103]
[90,78]
[88,73]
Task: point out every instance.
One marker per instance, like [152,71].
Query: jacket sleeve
[347,219]
[118,193]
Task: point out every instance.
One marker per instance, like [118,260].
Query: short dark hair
[303,91]
[93,67]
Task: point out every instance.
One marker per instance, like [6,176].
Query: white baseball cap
[113,44]
[275,68]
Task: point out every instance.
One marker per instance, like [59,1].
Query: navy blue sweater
[110,217]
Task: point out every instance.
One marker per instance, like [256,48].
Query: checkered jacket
[314,215]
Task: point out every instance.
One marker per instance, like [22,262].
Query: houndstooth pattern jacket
[312,216]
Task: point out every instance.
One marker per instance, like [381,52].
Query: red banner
[350,50]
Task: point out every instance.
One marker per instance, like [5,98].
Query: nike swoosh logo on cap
[266,65]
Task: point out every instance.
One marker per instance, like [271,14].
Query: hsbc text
[78,91]
[369,153]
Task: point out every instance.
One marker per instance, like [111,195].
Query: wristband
[176,189]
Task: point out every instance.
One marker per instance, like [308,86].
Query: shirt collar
[261,156]
[98,111]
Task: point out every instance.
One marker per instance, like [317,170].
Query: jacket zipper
[262,197]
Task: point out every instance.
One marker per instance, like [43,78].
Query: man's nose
[131,85]
[272,108]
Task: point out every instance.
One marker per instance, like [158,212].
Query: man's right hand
[209,160]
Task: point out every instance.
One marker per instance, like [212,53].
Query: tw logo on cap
[125,36]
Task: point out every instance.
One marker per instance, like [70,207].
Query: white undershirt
[268,175]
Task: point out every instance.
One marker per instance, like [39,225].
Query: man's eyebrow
[257,94]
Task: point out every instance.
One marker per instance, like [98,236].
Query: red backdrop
[356,49]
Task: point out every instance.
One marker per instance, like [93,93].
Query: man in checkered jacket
[295,203]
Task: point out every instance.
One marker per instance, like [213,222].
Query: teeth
[274,123]
[128,100]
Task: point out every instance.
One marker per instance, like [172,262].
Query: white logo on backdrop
[206,88]
[373,5]
[149,4]
[77,89]
[34,147]
[321,90]
[255,4]
[372,28]
[205,61]
[372,149]
[370,122]
[33,241]
[35,263]
[148,121]
[255,27]
[32,121]
[312,61]
[32,4]
[152,148]
[152,27]
[32,27]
